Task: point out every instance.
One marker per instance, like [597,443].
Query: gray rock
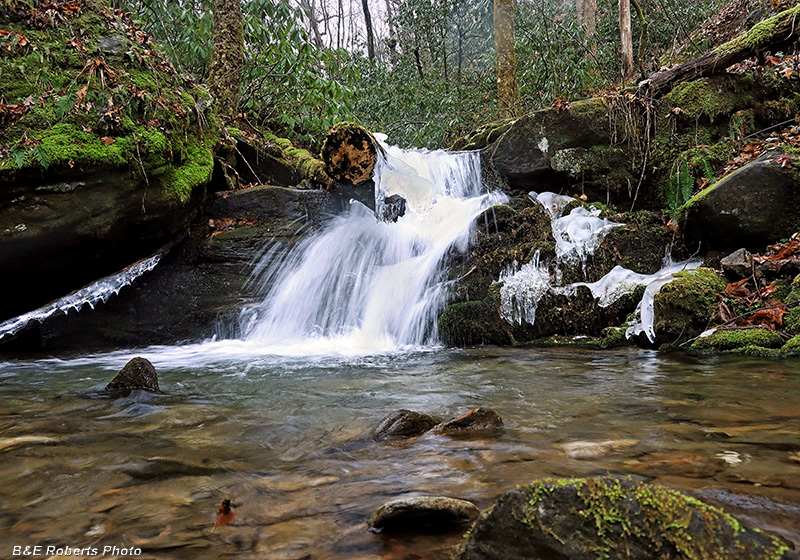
[738,264]
[394,207]
[111,45]
[481,420]
[752,207]
[138,373]
[575,518]
[404,424]
[429,513]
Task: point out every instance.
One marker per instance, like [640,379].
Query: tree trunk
[626,38]
[505,57]
[586,11]
[311,13]
[370,32]
[771,34]
[227,59]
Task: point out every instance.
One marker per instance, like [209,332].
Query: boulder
[738,264]
[480,420]
[199,288]
[684,307]
[573,143]
[404,424]
[583,519]
[138,373]
[427,513]
[752,207]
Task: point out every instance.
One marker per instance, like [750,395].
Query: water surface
[288,440]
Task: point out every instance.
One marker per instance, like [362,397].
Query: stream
[288,441]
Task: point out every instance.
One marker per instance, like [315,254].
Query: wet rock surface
[138,373]
[426,513]
[575,518]
[478,421]
[404,424]
[199,287]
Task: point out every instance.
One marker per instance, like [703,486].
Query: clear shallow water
[288,439]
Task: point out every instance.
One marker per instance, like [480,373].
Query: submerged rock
[404,424]
[480,420]
[428,513]
[138,373]
[582,519]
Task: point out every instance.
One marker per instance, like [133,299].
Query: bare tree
[587,15]
[505,57]
[626,38]
[370,31]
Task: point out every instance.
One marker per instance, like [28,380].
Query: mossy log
[772,33]
[350,153]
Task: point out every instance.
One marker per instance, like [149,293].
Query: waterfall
[364,285]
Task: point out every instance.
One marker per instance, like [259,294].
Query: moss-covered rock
[105,150]
[683,308]
[578,142]
[89,91]
[612,519]
[724,340]
[792,348]
[748,208]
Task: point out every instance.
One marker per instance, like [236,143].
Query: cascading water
[362,285]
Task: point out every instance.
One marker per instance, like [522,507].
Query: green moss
[613,337]
[684,306]
[99,109]
[197,164]
[792,348]
[724,340]
[702,98]
[474,322]
[621,514]
[759,36]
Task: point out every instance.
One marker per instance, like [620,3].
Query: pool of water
[288,441]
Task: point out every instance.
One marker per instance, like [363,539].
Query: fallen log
[770,34]
[350,153]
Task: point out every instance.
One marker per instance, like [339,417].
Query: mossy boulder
[575,142]
[105,150]
[612,519]
[683,308]
[792,348]
[751,207]
[726,340]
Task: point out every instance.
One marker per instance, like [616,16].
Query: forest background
[422,71]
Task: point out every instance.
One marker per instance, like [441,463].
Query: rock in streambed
[407,424]
[429,513]
[617,519]
[138,373]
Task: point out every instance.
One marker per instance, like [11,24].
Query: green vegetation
[92,93]
[684,307]
[621,514]
[724,340]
